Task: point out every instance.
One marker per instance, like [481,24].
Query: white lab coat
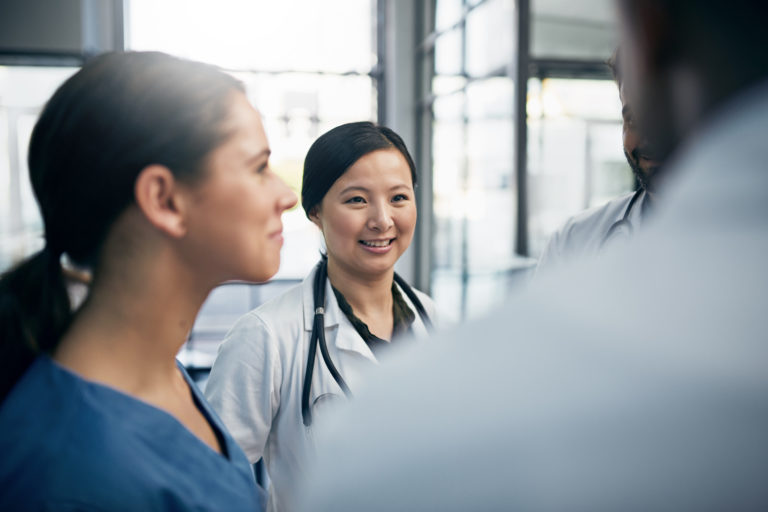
[585,234]
[637,381]
[256,382]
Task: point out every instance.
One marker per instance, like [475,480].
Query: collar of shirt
[402,317]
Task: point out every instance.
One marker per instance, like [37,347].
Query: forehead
[243,126]
[383,166]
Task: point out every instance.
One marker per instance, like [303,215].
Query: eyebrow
[363,189]
[258,156]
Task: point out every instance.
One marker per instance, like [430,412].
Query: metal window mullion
[423,135]
[379,80]
[522,28]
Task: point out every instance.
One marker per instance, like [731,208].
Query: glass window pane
[474,193]
[450,107]
[448,53]
[491,98]
[584,30]
[490,154]
[490,193]
[333,35]
[444,85]
[23,92]
[489,37]
[448,177]
[448,13]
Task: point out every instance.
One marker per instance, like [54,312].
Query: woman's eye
[355,200]
[399,197]
[263,167]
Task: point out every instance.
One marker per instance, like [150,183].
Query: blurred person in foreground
[587,233]
[565,399]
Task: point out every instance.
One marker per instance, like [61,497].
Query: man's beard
[644,178]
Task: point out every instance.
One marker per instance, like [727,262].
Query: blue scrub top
[70,444]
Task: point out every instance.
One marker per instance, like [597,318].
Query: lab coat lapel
[345,337]
[417,327]
[308,302]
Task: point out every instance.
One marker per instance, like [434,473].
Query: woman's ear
[314,216]
[161,200]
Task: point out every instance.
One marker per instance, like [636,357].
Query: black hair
[337,150]
[728,37]
[120,113]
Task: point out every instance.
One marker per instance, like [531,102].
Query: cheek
[406,220]
[341,227]
[628,139]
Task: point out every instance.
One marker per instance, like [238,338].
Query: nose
[286,197]
[380,217]
[630,138]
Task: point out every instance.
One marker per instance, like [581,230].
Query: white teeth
[383,243]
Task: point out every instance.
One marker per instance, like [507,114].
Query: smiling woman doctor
[314,343]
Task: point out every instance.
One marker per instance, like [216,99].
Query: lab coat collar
[346,337]
[636,214]
[417,327]
[332,310]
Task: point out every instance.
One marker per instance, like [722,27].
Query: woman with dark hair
[280,362]
[152,172]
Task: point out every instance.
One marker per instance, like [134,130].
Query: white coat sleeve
[244,385]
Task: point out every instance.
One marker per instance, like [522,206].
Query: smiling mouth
[377,243]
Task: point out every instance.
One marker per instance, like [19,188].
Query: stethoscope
[623,226]
[318,335]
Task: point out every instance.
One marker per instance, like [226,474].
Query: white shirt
[256,382]
[636,382]
[587,233]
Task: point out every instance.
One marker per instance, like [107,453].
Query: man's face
[646,86]
[640,155]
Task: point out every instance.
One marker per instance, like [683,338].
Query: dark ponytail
[34,313]
[119,114]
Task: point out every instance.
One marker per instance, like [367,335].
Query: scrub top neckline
[197,399]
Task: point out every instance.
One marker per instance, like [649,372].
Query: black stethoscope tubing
[624,221]
[318,336]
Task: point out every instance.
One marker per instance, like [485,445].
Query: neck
[369,295]
[129,330]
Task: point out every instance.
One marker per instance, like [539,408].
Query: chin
[381,267]
[264,273]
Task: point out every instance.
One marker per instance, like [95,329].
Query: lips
[377,243]
[644,153]
[646,158]
[276,234]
